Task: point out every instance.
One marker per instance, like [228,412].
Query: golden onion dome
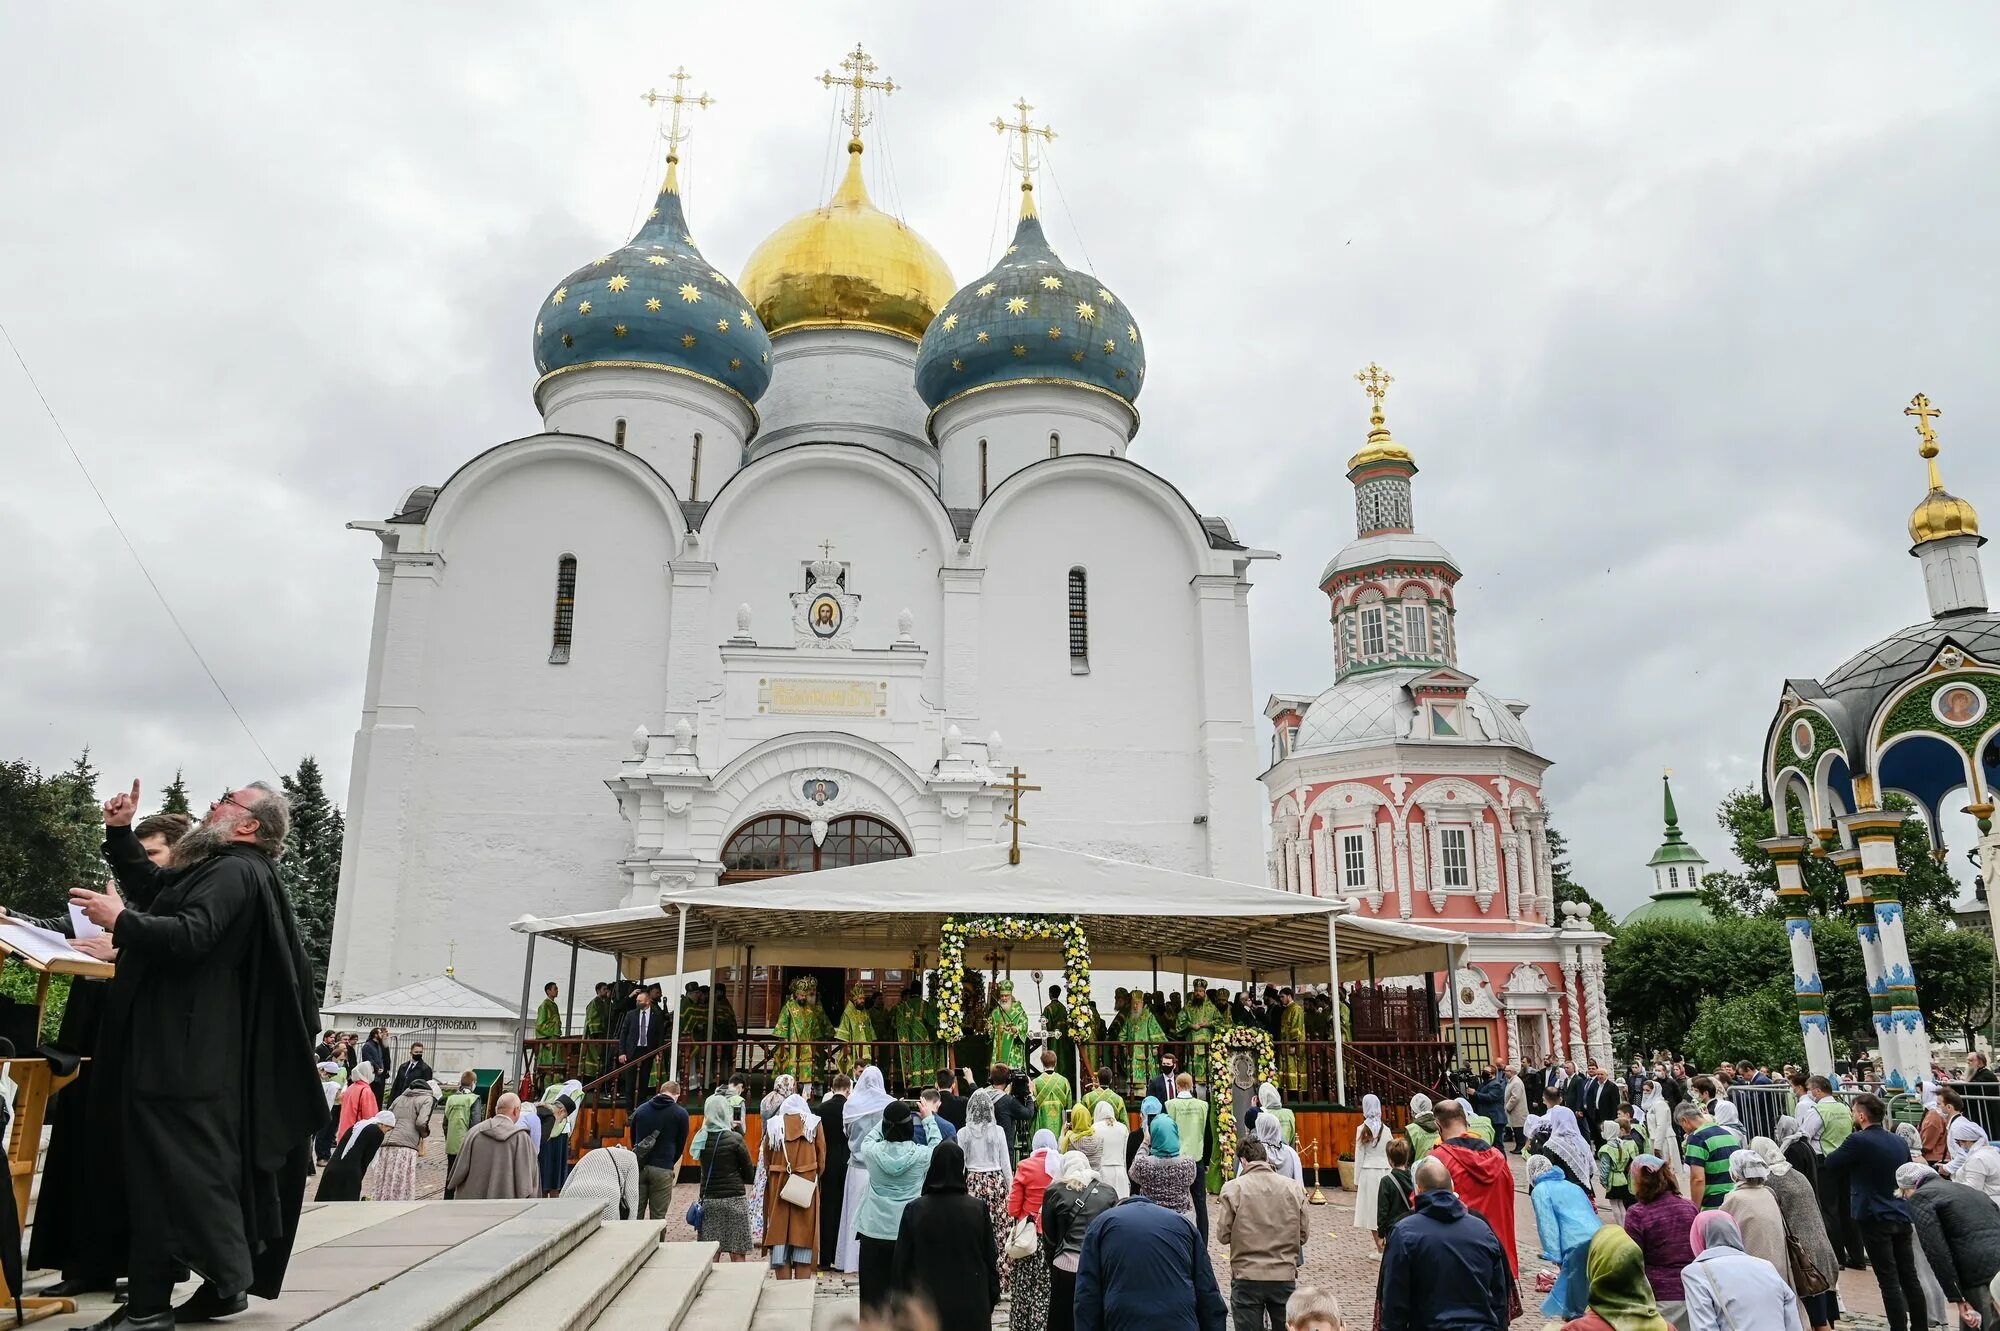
[847,265]
[1939,513]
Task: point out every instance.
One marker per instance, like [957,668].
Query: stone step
[728,1298]
[661,1291]
[463,1283]
[784,1305]
[569,1295]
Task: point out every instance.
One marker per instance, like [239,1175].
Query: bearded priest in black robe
[211,1019]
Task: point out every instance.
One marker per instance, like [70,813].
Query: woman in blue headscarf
[1160,1173]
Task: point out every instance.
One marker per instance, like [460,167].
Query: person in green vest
[1422,1129]
[1614,1168]
[1269,1102]
[1835,1122]
[459,1108]
[1478,1125]
[1052,1093]
[548,1026]
[916,1052]
[856,1033]
[1292,1048]
[596,1026]
[1200,1021]
[1104,1095]
[800,1024]
[1008,1025]
[1142,1034]
[1190,1116]
[1055,1025]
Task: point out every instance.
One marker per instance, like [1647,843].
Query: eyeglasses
[230,798]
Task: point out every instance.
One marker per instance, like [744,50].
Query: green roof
[1683,907]
[1675,849]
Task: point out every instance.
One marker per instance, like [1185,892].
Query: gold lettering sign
[824,697]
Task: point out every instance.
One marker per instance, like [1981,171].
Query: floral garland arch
[958,929]
[1258,1042]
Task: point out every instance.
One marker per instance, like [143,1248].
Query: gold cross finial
[1920,407]
[858,66]
[673,133]
[1375,382]
[1024,160]
[1015,790]
[451,957]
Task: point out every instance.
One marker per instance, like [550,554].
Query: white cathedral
[796,569]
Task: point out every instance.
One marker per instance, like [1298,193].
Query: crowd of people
[1658,1202]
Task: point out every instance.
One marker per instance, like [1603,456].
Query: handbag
[694,1212]
[1807,1278]
[797,1191]
[624,1206]
[1023,1240]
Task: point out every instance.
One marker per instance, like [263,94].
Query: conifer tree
[175,798]
[82,824]
[310,870]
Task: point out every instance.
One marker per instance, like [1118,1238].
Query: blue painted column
[1874,833]
[1788,857]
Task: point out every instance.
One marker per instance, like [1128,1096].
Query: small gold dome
[847,265]
[1942,514]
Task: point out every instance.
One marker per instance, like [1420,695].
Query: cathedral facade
[1416,793]
[797,569]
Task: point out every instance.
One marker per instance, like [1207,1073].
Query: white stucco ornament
[825,613]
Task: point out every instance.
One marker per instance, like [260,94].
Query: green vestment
[1199,1023]
[1008,1025]
[1291,1050]
[856,1034]
[802,1022]
[1052,1101]
[548,1026]
[1144,1039]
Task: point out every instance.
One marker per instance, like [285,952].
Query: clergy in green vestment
[548,1026]
[1007,1023]
[1143,1037]
[1055,1025]
[916,1052]
[799,1026]
[1291,1043]
[596,1024]
[856,1033]
[1104,1095]
[1201,1021]
[1053,1095]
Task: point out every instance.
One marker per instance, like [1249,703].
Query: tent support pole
[1156,974]
[714,984]
[680,966]
[527,990]
[569,1021]
[1451,978]
[1333,989]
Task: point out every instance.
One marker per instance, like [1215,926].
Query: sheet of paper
[80,925]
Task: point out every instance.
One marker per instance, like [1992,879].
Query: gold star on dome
[950,322]
[619,330]
[1054,332]
[687,339]
[988,289]
[1076,356]
[653,216]
[982,336]
[1110,346]
[1121,372]
[583,307]
[568,341]
[689,293]
[1012,248]
[538,328]
[766,358]
[735,362]
[1020,350]
[1132,332]
[745,318]
[652,302]
[688,241]
[1052,282]
[659,260]
[714,276]
[722,325]
[1086,311]
[557,299]
[1017,305]
[601,259]
[958,365]
[619,283]
[1106,297]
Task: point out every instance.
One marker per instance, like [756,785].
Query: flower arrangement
[1221,1047]
[959,929]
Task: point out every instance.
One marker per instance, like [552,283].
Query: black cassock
[216,1099]
[340,1181]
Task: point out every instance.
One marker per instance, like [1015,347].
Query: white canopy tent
[1133,914]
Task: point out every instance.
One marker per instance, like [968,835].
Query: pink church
[1412,790]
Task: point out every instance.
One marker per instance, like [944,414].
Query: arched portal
[779,844]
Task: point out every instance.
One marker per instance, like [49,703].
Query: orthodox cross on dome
[826,549]
[1024,160]
[673,133]
[858,67]
[451,957]
[1015,790]
[1920,407]
[1375,382]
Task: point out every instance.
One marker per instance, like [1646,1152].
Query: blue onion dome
[1033,319]
[656,304]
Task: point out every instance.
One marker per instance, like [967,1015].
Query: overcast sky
[1655,283]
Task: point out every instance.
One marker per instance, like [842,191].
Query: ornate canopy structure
[1912,714]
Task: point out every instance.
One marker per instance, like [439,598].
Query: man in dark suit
[1600,1099]
[376,1052]
[639,1034]
[1574,1088]
[833,1178]
[1161,1085]
[951,1105]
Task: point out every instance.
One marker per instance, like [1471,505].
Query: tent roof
[435,996]
[874,914]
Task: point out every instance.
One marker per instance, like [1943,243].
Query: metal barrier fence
[1760,1107]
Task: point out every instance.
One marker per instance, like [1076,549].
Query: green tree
[1760,1024]
[1655,976]
[82,822]
[1568,889]
[310,869]
[37,841]
[175,798]
[1926,883]
[1954,974]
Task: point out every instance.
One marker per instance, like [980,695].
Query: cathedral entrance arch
[779,844]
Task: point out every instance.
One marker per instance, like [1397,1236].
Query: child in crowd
[1311,1309]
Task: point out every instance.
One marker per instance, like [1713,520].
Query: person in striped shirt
[1707,1149]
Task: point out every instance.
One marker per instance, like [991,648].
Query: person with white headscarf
[357,1102]
[1804,1226]
[1422,1129]
[1565,1223]
[782,1085]
[1755,1209]
[1959,1235]
[1077,1197]
[341,1180]
[989,1166]
[1371,1161]
[863,1113]
[1728,1287]
[1284,1161]
[1725,1115]
[1477,1123]
[793,1148]
[1566,1148]
[1113,1133]
[1028,1281]
[1269,1102]
[608,1175]
[1658,1117]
